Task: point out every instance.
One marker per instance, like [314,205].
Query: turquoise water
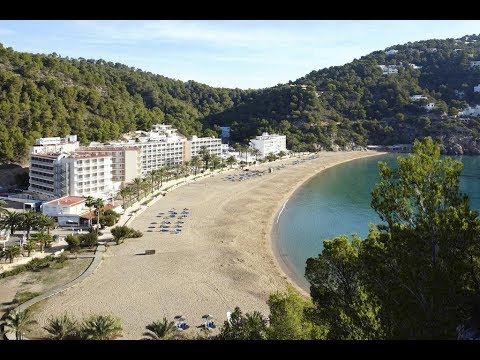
[337,201]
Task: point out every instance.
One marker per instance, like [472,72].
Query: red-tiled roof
[68,200]
[88,215]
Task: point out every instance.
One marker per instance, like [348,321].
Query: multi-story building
[163,146]
[47,176]
[267,144]
[88,174]
[126,161]
[157,153]
[60,167]
[76,174]
[194,145]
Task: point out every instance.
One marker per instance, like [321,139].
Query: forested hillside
[357,102]
[46,95]
[340,106]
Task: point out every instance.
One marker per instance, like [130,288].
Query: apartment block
[267,144]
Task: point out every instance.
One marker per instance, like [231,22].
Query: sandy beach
[222,258]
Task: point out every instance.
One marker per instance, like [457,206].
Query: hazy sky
[244,54]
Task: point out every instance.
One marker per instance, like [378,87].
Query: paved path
[97,259]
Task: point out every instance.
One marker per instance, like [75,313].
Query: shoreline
[222,259]
[283,265]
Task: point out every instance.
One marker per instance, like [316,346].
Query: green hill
[344,106]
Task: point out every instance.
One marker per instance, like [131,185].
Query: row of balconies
[48,164]
[41,183]
[40,188]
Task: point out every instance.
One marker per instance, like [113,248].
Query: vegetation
[43,239]
[19,322]
[121,233]
[47,95]
[101,327]
[160,330]
[289,317]
[244,327]
[414,277]
[35,264]
[10,253]
[62,328]
[73,242]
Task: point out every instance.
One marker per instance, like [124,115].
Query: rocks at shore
[461,145]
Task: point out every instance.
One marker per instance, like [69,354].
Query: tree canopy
[416,275]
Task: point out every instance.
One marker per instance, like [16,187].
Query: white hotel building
[163,146]
[57,175]
[267,144]
[60,167]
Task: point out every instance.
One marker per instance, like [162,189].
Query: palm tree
[98,204]
[206,156]
[62,328]
[255,152]
[215,160]
[161,173]
[90,202]
[231,161]
[159,330]
[145,186]
[43,239]
[11,253]
[196,163]
[126,191]
[29,246]
[19,322]
[246,149]
[152,174]
[46,222]
[102,327]
[2,206]
[12,220]
[30,220]
[137,183]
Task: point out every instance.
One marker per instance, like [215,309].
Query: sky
[225,53]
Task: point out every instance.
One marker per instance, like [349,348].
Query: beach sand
[223,257]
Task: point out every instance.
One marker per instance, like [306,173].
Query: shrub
[88,240]
[123,232]
[73,242]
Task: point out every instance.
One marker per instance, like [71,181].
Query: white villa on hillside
[476,88]
[475,63]
[415,66]
[391,52]
[389,69]
[430,106]
[417,97]
[470,111]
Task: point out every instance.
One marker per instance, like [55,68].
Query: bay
[337,201]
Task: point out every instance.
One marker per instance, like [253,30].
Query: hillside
[46,95]
[357,102]
[340,106]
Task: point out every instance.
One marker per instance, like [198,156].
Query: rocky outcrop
[461,145]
